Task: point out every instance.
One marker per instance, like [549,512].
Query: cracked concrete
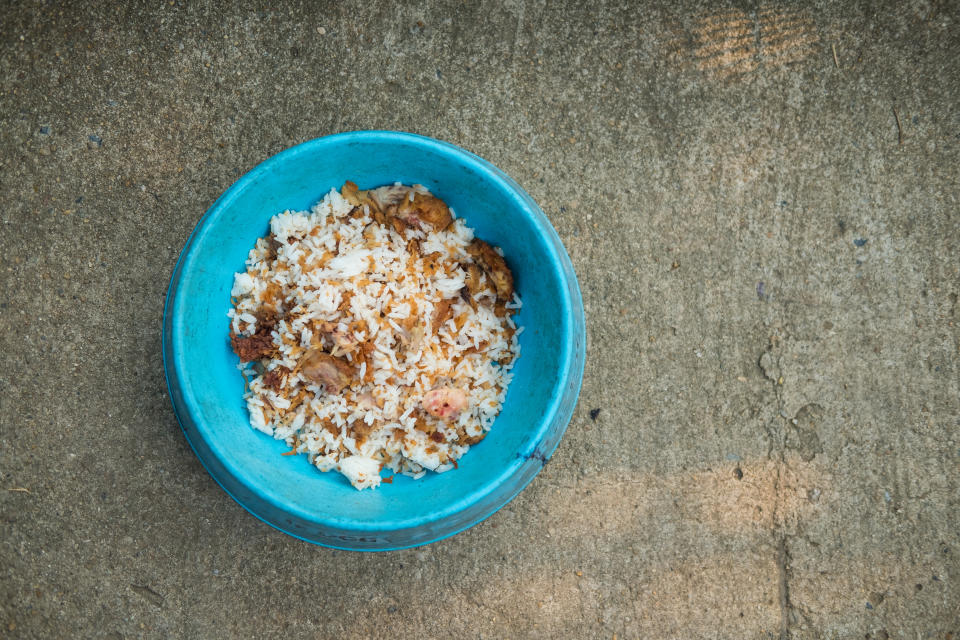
[761,202]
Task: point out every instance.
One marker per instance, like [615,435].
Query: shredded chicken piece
[274,378]
[254,347]
[398,224]
[352,194]
[402,206]
[390,194]
[494,265]
[343,342]
[361,430]
[474,282]
[425,211]
[423,425]
[333,374]
[363,198]
[260,344]
[441,314]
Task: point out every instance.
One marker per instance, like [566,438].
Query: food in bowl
[375,332]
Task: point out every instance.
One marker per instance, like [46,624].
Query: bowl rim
[544,435]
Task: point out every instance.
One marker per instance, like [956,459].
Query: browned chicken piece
[366,350]
[422,424]
[352,194]
[333,374]
[495,267]
[413,247]
[343,342]
[275,377]
[474,282]
[469,299]
[362,430]
[425,211]
[398,225]
[253,347]
[260,344]
[441,313]
[358,198]
[393,203]
[430,266]
[273,245]
[445,403]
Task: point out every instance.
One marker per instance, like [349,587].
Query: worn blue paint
[287,492]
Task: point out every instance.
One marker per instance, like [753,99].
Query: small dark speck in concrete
[391,609]
[45,130]
[95,139]
[869,606]
[594,414]
[860,242]
[738,473]
[760,291]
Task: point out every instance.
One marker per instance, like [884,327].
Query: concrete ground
[761,201]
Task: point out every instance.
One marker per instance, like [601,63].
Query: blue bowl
[288,492]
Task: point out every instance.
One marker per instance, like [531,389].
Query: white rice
[333,271]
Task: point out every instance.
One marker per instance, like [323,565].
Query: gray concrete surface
[768,259]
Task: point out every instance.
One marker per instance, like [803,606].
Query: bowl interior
[206,368]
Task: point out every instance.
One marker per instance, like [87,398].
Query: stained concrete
[761,202]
